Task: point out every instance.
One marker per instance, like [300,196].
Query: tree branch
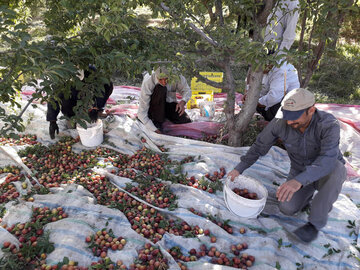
[219,12]
[20,114]
[263,15]
[203,35]
[209,9]
[211,83]
[191,25]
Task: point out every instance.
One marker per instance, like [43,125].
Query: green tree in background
[191,36]
[107,34]
[320,23]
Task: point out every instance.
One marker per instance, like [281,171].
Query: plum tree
[192,36]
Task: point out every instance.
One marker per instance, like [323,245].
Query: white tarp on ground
[267,235]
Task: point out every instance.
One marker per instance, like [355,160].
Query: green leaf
[66,260]
[107,35]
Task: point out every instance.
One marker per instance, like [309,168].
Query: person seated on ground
[274,89]
[311,138]
[158,100]
[67,105]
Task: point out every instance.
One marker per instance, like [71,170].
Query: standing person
[281,25]
[276,83]
[311,138]
[67,104]
[158,100]
[281,30]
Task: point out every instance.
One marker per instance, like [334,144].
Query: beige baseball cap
[295,103]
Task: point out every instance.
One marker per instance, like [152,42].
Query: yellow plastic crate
[213,76]
[199,96]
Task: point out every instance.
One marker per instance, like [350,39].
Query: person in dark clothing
[66,105]
[160,109]
[311,138]
[158,100]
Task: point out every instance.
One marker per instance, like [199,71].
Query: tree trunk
[229,108]
[312,65]
[240,122]
[301,44]
[336,18]
[219,12]
[243,119]
[334,33]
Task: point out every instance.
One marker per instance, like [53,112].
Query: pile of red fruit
[216,175]
[217,221]
[209,186]
[45,215]
[57,165]
[8,190]
[152,224]
[106,153]
[144,160]
[176,253]
[242,261]
[34,245]
[145,220]
[150,258]
[107,263]
[244,192]
[66,264]
[154,192]
[22,140]
[103,240]
[104,192]
[187,159]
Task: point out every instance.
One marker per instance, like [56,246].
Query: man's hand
[52,128]
[180,108]
[158,131]
[233,174]
[287,190]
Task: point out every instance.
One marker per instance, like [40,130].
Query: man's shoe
[306,233]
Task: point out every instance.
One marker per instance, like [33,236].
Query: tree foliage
[106,34]
[320,23]
[190,36]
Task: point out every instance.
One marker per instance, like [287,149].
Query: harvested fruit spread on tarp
[147,201]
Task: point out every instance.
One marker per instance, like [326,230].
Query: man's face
[303,121]
[163,81]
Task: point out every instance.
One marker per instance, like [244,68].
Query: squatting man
[158,100]
[67,104]
[311,138]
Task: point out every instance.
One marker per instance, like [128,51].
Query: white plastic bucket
[241,206]
[93,135]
